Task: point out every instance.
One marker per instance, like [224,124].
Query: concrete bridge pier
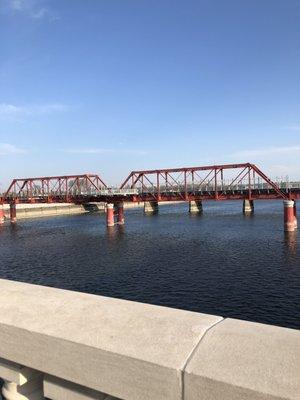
[295,215]
[195,206]
[120,211]
[13,213]
[110,215]
[248,206]
[290,216]
[1,215]
[151,207]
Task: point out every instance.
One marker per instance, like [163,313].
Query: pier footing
[248,206]
[195,206]
[151,207]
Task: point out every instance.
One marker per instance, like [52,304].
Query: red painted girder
[24,182]
[187,169]
[163,198]
[40,178]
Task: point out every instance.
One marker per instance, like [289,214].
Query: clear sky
[109,86]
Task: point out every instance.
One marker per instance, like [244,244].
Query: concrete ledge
[126,349]
[90,347]
[245,360]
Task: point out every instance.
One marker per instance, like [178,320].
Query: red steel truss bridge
[195,184]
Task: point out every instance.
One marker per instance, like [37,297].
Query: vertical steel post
[216,187]
[193,182]
[249,183]
[185,187]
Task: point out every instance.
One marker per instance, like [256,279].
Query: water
[220,263]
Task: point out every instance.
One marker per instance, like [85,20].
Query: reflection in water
[196,215]
[249,215]
[290,240]
[115,233]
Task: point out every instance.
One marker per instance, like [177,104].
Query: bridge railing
[225,186]
[64,194]
[63,345]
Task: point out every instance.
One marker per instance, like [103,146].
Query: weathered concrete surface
[54,209]
[129,350]
[45,210]
[244,360]
[58,389]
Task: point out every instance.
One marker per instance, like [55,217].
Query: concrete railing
[65,345]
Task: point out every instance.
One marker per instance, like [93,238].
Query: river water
[221,262]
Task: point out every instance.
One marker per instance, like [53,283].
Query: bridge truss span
[217,182]
[68,188]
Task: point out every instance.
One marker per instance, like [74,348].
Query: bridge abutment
[110,215]
[195,206]
[151,207]
[290,217]
[248,206]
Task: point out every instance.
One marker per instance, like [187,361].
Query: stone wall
[54,209]
[68,345]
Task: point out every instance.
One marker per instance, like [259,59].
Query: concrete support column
[110,219]
[151,207]
[13,213]
[295,215]
[120,208]
[1,215]
[195,206]
[20,383]
[290,219]
[248,206]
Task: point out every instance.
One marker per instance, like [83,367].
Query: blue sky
[109,86]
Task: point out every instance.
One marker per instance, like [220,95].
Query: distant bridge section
[193,184]
[217,182]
